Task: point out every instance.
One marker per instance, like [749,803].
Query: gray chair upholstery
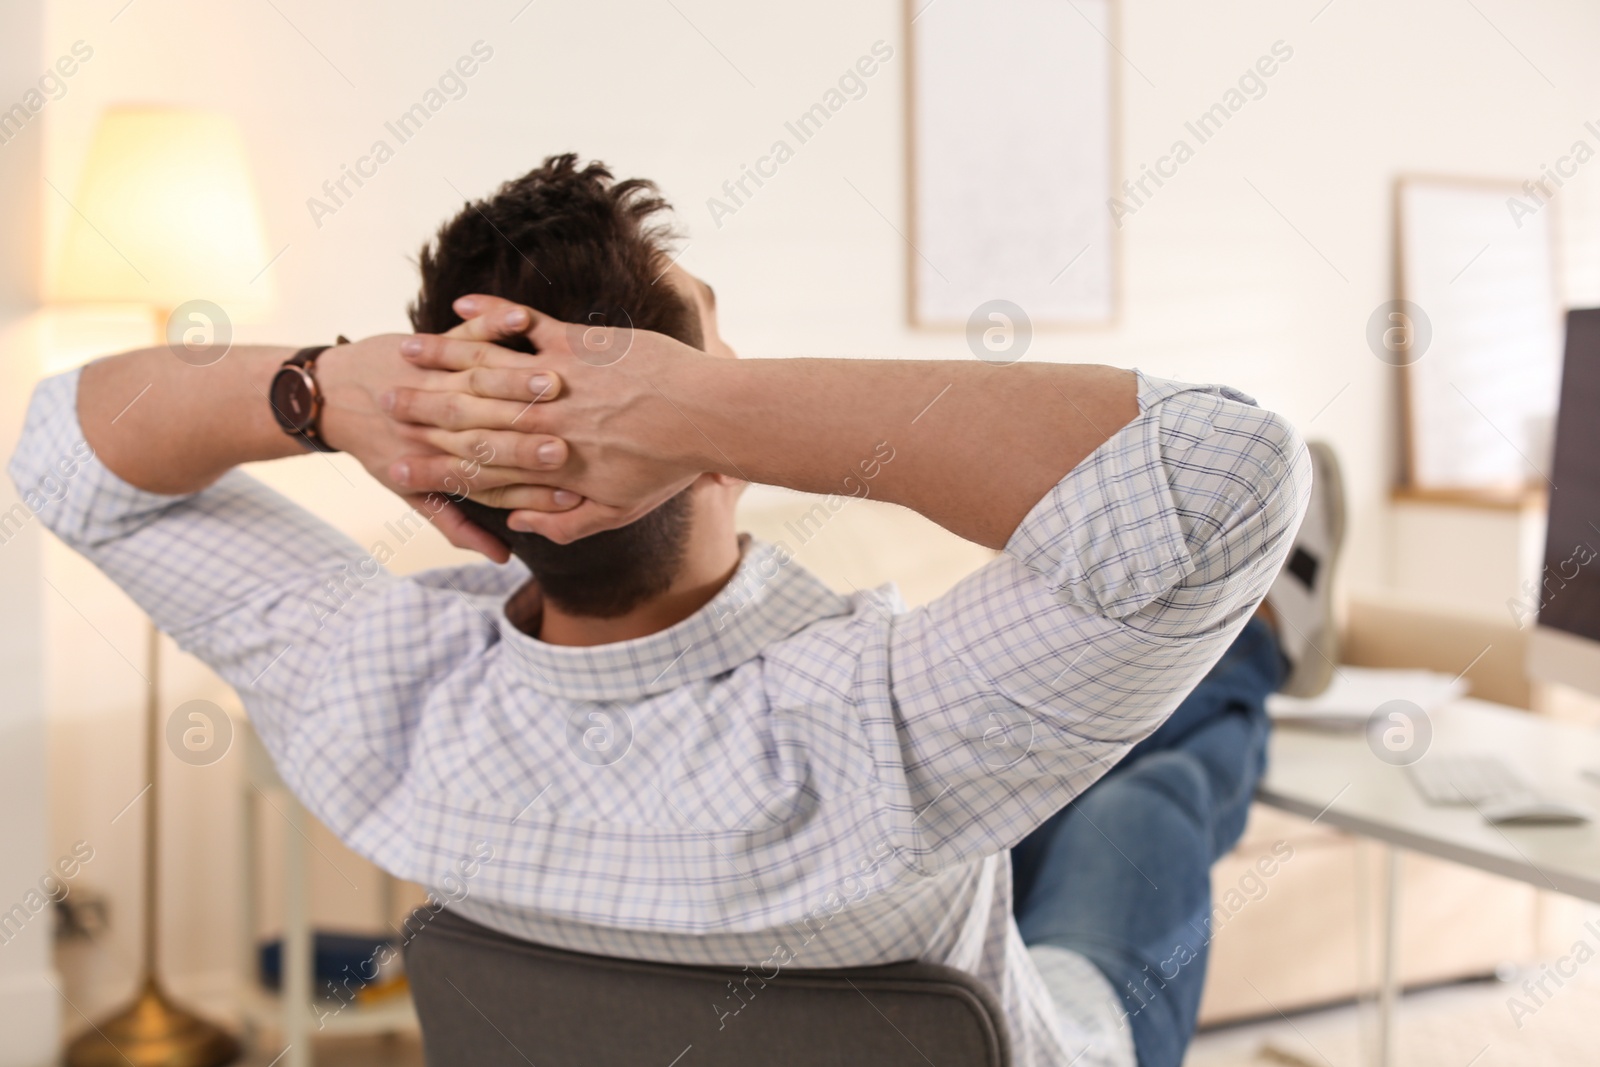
[489,1000]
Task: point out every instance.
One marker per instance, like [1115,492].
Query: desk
[1334,778]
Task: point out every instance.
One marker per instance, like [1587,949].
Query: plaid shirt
[787,777]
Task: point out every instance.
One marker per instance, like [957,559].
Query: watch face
[292,403]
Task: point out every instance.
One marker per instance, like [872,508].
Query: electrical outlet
[81,916]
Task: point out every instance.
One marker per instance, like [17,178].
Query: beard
[606,574]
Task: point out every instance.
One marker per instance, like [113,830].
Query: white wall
[1258,265]
[30,1009]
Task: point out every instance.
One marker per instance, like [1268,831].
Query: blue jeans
[1122,875]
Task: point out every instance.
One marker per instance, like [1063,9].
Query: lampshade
[166,213]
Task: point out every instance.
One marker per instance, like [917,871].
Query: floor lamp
[153,1031]
[166,217]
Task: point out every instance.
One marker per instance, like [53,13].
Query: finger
[490,319]
[451,410]
[537,498]
[456,411]
[512,383]
[449,475]
[446,352]
[589,517]
[457,528]
[475,304]
[543,331]
[527,452]
[551,336]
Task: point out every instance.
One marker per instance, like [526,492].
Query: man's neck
[708,565]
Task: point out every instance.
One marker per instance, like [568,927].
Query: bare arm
[169,427]
[165,426]
[975,446]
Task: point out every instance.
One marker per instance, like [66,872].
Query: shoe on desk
[1301,597]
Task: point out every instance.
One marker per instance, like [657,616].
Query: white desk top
[1335,779]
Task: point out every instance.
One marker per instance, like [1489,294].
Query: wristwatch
[297,401]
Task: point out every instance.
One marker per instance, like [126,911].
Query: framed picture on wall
[1478,327]
[1012,115]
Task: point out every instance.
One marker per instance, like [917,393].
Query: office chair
[488,1000]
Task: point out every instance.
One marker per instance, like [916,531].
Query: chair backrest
[489,1000]
[1395,631]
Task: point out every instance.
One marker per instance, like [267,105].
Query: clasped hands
[577,439]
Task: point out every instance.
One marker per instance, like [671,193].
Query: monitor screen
[1569,596]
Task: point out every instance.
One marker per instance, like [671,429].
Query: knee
[1283,465]
[1239,496]
[1163,786]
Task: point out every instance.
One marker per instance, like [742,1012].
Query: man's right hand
[625,440]
[168,426]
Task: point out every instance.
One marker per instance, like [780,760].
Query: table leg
[297,951]
[250,977]
[1389,986]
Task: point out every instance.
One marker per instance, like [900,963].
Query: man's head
[582,247]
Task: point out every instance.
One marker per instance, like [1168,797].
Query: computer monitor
[1565,644]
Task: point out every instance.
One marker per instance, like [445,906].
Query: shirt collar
[770,597]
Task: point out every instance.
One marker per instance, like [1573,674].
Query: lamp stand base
[153,1032]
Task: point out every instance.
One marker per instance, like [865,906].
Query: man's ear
[720,490]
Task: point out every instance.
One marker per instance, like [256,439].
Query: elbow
[42,482]
[51,457]
[1281,480]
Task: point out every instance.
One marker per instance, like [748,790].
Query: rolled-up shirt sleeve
[258,588]
[951,731]
[1016,690]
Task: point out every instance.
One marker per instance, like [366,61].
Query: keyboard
[1475,780]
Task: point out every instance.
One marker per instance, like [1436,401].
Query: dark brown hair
[578,245]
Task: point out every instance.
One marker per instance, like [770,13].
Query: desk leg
[250,976]
[1389,989]
[297,952]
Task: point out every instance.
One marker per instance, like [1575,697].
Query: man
[674,743]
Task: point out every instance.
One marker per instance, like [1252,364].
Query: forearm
[165,426]
[974,446]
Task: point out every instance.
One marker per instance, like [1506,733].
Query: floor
[1478,1024]
[396,1051]
[1470,1025]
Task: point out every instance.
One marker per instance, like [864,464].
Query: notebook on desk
[1357,692]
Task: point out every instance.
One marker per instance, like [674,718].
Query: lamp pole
[153,1031]
[171,188]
